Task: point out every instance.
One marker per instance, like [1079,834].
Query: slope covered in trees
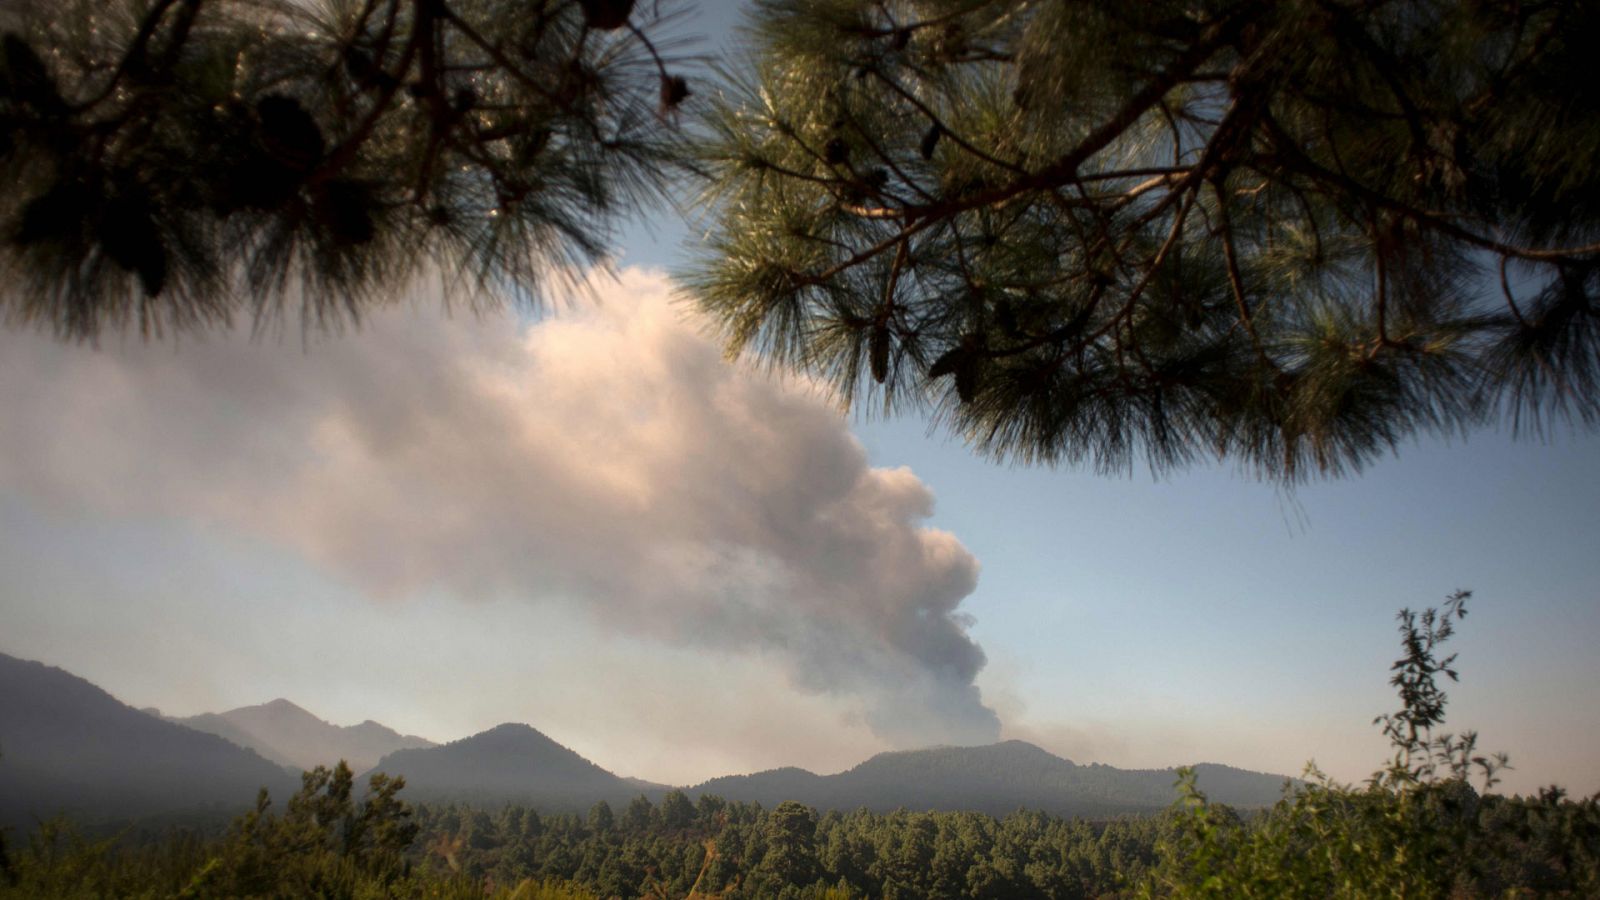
[995,779]
[510,763]
[69,747]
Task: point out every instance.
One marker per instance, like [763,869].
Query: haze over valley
[73,748]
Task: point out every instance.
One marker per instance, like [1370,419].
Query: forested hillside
[510,763]
[70,747]
[84,752]
[996,779]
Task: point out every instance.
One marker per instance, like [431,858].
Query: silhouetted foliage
[1291,234]
[172,163]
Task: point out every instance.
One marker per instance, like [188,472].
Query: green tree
[325,843]
[677,812]
[1290,234]
[171,163]
[791,854]
[639,815]
[710,810]
[601,819]
[1417,828]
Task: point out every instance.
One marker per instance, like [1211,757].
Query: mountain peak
[512,760]
[509,734]
[513,728]
[282,707]
[945,755]
[290,735]
[1024,747]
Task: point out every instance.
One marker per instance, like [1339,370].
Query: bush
[1416,829]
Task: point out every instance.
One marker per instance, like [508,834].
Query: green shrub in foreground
[1416,829]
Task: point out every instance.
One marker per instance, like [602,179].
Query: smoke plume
[607,458]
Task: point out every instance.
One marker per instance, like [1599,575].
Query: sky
[683,567]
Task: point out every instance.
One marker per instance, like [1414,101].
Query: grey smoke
[608,458]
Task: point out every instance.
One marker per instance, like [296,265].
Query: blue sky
[188,526]
[1207,598]
[1122,613]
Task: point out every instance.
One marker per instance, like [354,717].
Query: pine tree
[174,163]
[1290,234]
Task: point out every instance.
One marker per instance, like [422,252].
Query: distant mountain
[771,787]
[509,763]
[67,746]
[641,786]
[996,779]
[290,736]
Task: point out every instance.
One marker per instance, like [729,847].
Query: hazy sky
[682,568]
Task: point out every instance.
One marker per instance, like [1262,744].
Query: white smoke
[608,458]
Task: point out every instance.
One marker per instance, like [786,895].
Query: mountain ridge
[290,735]
[70,747]
[515,763]
[993,778]
[511,762]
